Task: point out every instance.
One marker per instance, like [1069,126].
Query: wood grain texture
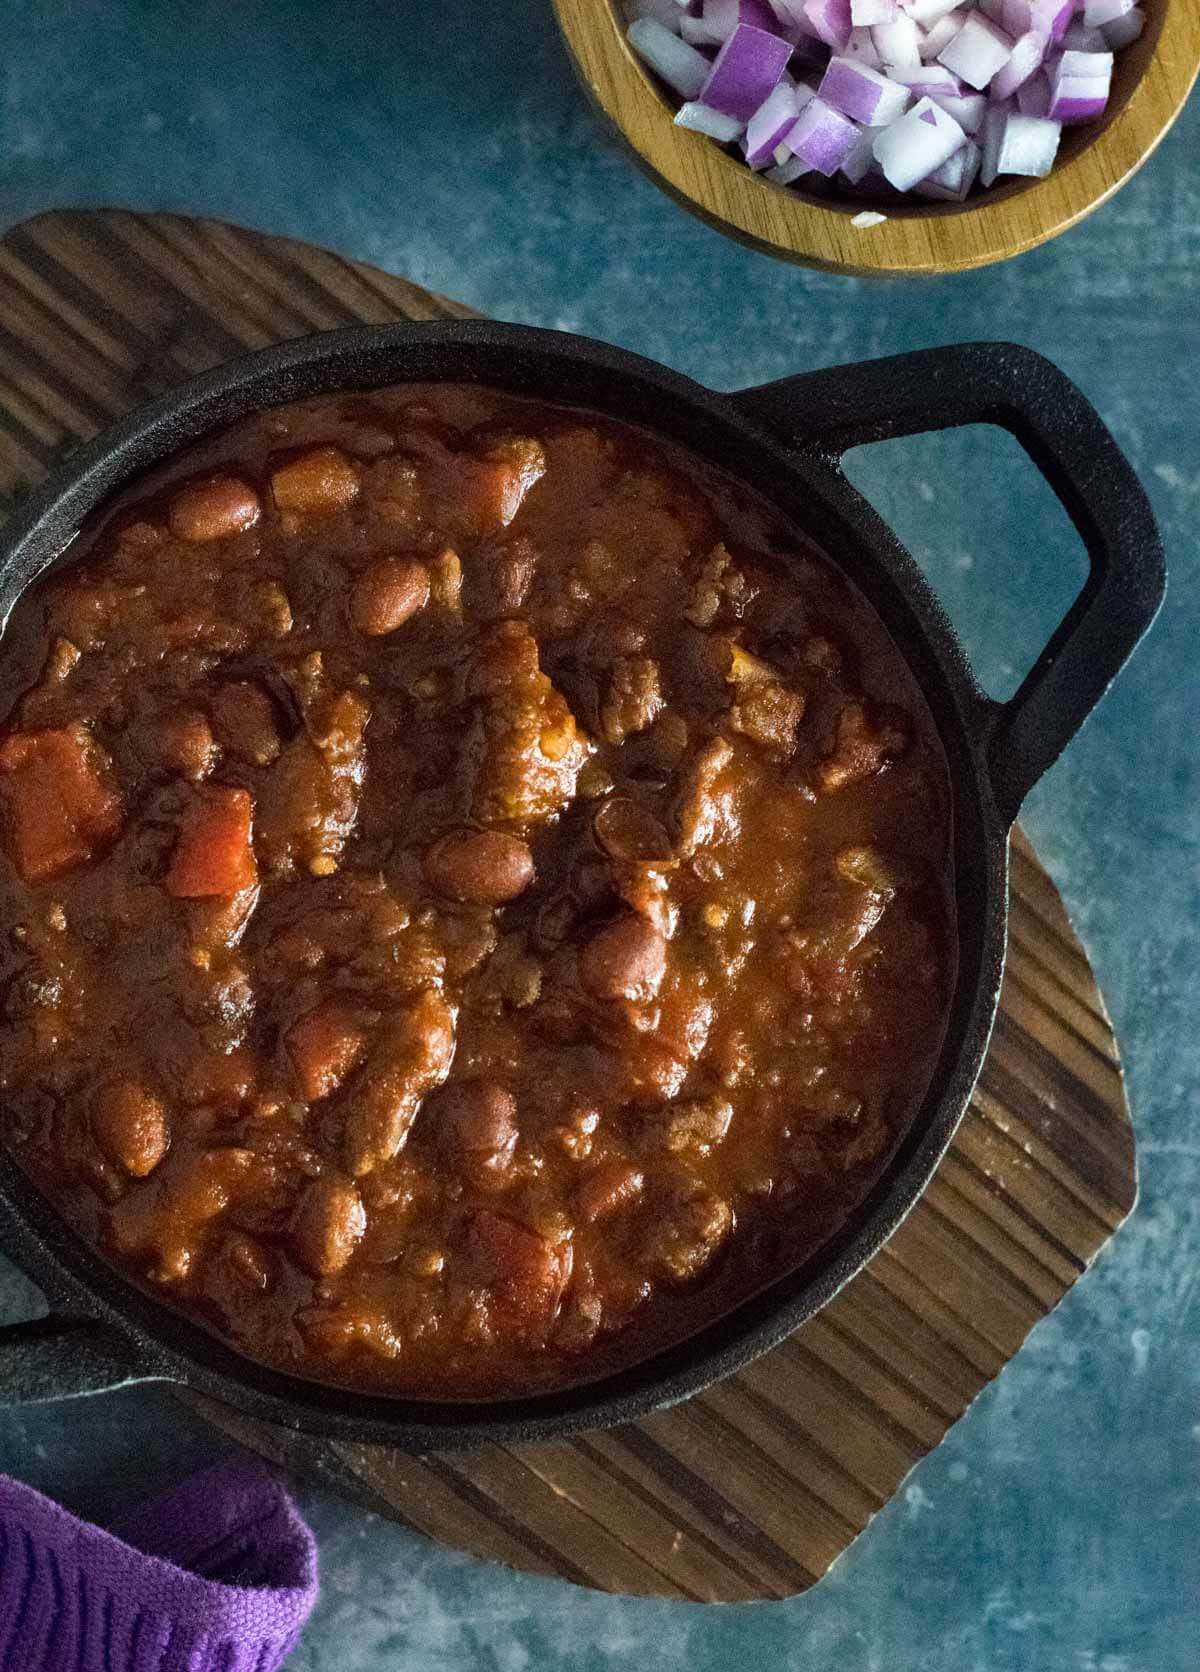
[1152,80]
[752,1489]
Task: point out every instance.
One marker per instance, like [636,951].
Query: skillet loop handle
[61,1358]
[828,412]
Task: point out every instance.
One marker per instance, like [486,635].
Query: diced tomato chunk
[213,856]
[60,801]
[325,1045]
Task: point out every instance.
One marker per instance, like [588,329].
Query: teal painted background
[1058,1528]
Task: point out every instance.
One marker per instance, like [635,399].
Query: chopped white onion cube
[1079,38]
[863,13]
[1025,60]
[702,119]
[679,64]
[967,109]
[953,181]
[898,42]
[978,51]
[942,33]
[1017,144]
[921,141]
[861,47]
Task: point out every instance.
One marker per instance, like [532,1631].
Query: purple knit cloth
[218,1576]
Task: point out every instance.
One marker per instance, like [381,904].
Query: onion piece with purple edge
[1079,86]
[830,21]
[978,51]
[748,67]
[1125,30]
[898,42]
[920,142]
[1017,144]
[702,119]
[1027,57]
[822,136]
[967,109]
[770,122]
[953,181]
[863,93]
[864,13]
[679,65]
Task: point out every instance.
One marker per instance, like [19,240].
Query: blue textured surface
[1058,1528]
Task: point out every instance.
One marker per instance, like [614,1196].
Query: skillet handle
[828,412]
[62,1357]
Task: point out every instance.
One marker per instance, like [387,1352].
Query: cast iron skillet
[787,440]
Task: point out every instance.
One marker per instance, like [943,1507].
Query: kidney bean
[479,867]
[130,1124]
[328,1224]
[316,484]
[626,960]
[213,510]
[388,594]
[611,1186]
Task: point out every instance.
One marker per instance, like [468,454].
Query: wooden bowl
[1152,79]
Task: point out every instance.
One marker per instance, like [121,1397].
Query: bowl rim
[922,240]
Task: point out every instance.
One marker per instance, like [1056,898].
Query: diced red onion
[861,47]
[953,181]
[784,174]
[929,12]
[1033,99]
[942,33]
[978,51]
[748,67]
[702,119]
[1123,31]
[830,21]
[967,109]
[1079,84]
[823,137]
[790,13]
[863,93]
[903,83]
[1052,15]
[920,142]
[898,42]
[1017,144]
[1079,38]
[679,65]
[928,79]
[723,16]
[861,160]
[667,12]
[1096,13]
[769,124]
[700,32]
[1026,59]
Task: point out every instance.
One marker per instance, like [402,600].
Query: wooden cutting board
[752,1489]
